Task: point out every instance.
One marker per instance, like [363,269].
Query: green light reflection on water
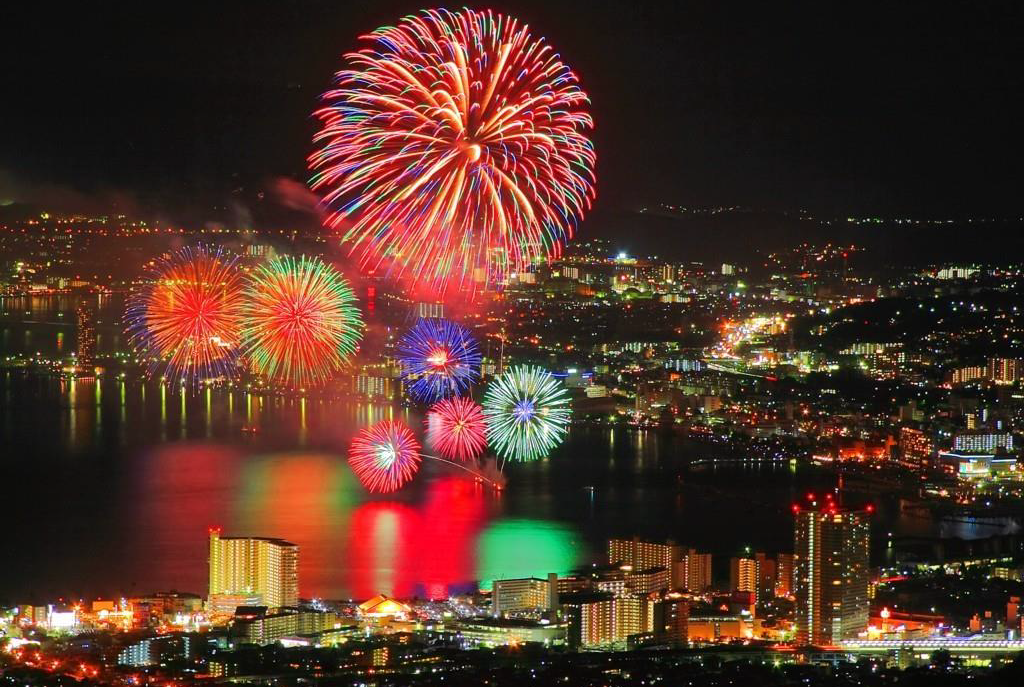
[525,548]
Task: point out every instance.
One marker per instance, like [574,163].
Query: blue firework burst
[439,359]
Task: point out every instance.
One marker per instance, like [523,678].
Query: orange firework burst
[186,319]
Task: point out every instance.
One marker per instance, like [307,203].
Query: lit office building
[916,448]
[254,566]
[831,574]
[982,441]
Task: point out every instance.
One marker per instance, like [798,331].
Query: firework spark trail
[300,321]
[187,321]
[439,358]
[476,473]
[455,149]
[527,413]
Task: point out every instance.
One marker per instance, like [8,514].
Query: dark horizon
[891,111]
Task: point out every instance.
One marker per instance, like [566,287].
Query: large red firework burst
[456,428]
[454,149]
[385,456]
[186,319]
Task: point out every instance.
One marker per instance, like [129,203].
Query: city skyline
[586,343]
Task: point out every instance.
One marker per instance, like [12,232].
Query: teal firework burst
[527,413]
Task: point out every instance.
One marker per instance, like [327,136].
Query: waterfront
[45,324]
[122,479]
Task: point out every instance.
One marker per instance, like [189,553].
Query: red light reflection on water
[379,548]
[184,489]
[452,518]
[349,547]
[401,551]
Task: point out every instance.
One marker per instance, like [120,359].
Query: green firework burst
[300,321]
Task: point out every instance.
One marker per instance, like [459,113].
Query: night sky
[889,108]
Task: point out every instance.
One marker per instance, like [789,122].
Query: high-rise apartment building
[429,309]
[982,441]
[784,574]
[613,582]
[670,619]
[693,571]
[687,568]
[648,581]
[589,615]
[1004,370]
[85,355]
[603,619]
[643,555]
[830,577]
[596,622]
[373,386]
[767,575]
[965,375]
[267,568]
[743,575]
[521,594]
